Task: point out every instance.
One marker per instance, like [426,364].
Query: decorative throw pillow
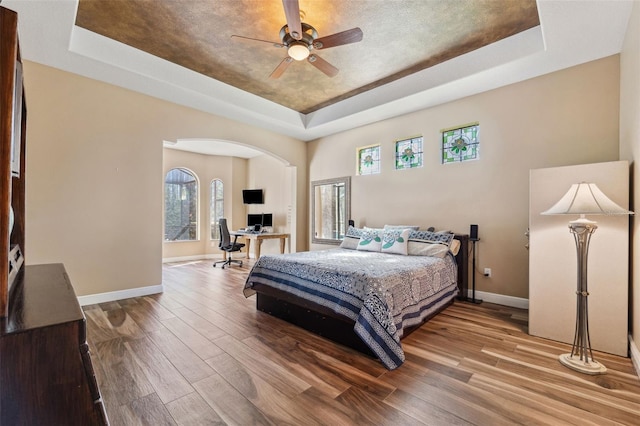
[395,241]
[352,238]
[401,227]
[443,237]
[371,240]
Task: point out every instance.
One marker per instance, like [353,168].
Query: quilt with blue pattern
[383,293]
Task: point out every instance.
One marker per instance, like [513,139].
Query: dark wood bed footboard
[310,316]
[317,318]
[338,328]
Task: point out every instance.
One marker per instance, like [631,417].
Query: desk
[258,238]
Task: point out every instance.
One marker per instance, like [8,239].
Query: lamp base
[587,367]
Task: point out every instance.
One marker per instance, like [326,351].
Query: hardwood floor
[201,354]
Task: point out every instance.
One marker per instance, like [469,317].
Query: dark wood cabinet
[46,372]
[12,142]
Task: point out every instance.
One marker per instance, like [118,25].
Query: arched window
[180,206]
[216,207]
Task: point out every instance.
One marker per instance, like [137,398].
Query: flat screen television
[252,196]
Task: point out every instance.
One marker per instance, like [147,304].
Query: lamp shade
[586,198]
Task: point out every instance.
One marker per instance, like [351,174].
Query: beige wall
[630,150]
[207,168]
[559,119]
[269,174]
[95,176]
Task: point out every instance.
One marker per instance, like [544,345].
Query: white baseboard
[188,258]
[199,257]
[501,299]
[635,355]
[92,299]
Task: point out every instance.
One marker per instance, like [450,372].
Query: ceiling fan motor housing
[309,34]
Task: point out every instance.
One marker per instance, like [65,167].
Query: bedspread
[383,293]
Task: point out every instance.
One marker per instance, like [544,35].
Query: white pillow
[395,241]
[455,246]
[426,248]
[352,238]
[371,240]
[350,242]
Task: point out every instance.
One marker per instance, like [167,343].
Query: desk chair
[228,246]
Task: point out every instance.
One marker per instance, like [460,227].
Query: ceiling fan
[300,39]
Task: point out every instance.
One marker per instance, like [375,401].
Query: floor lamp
[583,198]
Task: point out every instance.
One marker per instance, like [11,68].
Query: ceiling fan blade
[292,12]
[242,38]
[353,35]
[323,65]
[281,68]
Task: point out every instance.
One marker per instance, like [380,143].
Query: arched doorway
[238,166]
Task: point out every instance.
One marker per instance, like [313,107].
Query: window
[409,153]
[369,160]
[461,143]
[180,206]
[216,207]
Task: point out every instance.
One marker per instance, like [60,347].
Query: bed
[367,299]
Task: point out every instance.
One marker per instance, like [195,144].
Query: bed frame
[338,328]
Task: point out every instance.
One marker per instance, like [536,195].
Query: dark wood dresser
[46,374]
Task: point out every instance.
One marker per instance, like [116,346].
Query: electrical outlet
[487,272]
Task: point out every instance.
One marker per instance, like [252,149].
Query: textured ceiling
[400,38]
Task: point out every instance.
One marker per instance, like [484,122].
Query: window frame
[460,144]
[214,231]
[325,192]
[376,161]
[415,155]
[195,225]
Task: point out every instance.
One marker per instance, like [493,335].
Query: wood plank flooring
[201,354]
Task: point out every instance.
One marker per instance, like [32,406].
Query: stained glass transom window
[369,160]
[409,153]
[461,144]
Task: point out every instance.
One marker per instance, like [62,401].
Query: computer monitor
[254,219]
[262,219]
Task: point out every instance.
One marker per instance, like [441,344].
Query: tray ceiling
[400,38]
[569,33]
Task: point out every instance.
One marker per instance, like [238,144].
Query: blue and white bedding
[383,293]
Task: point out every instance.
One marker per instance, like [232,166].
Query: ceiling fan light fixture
[301,39]
[298,51]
